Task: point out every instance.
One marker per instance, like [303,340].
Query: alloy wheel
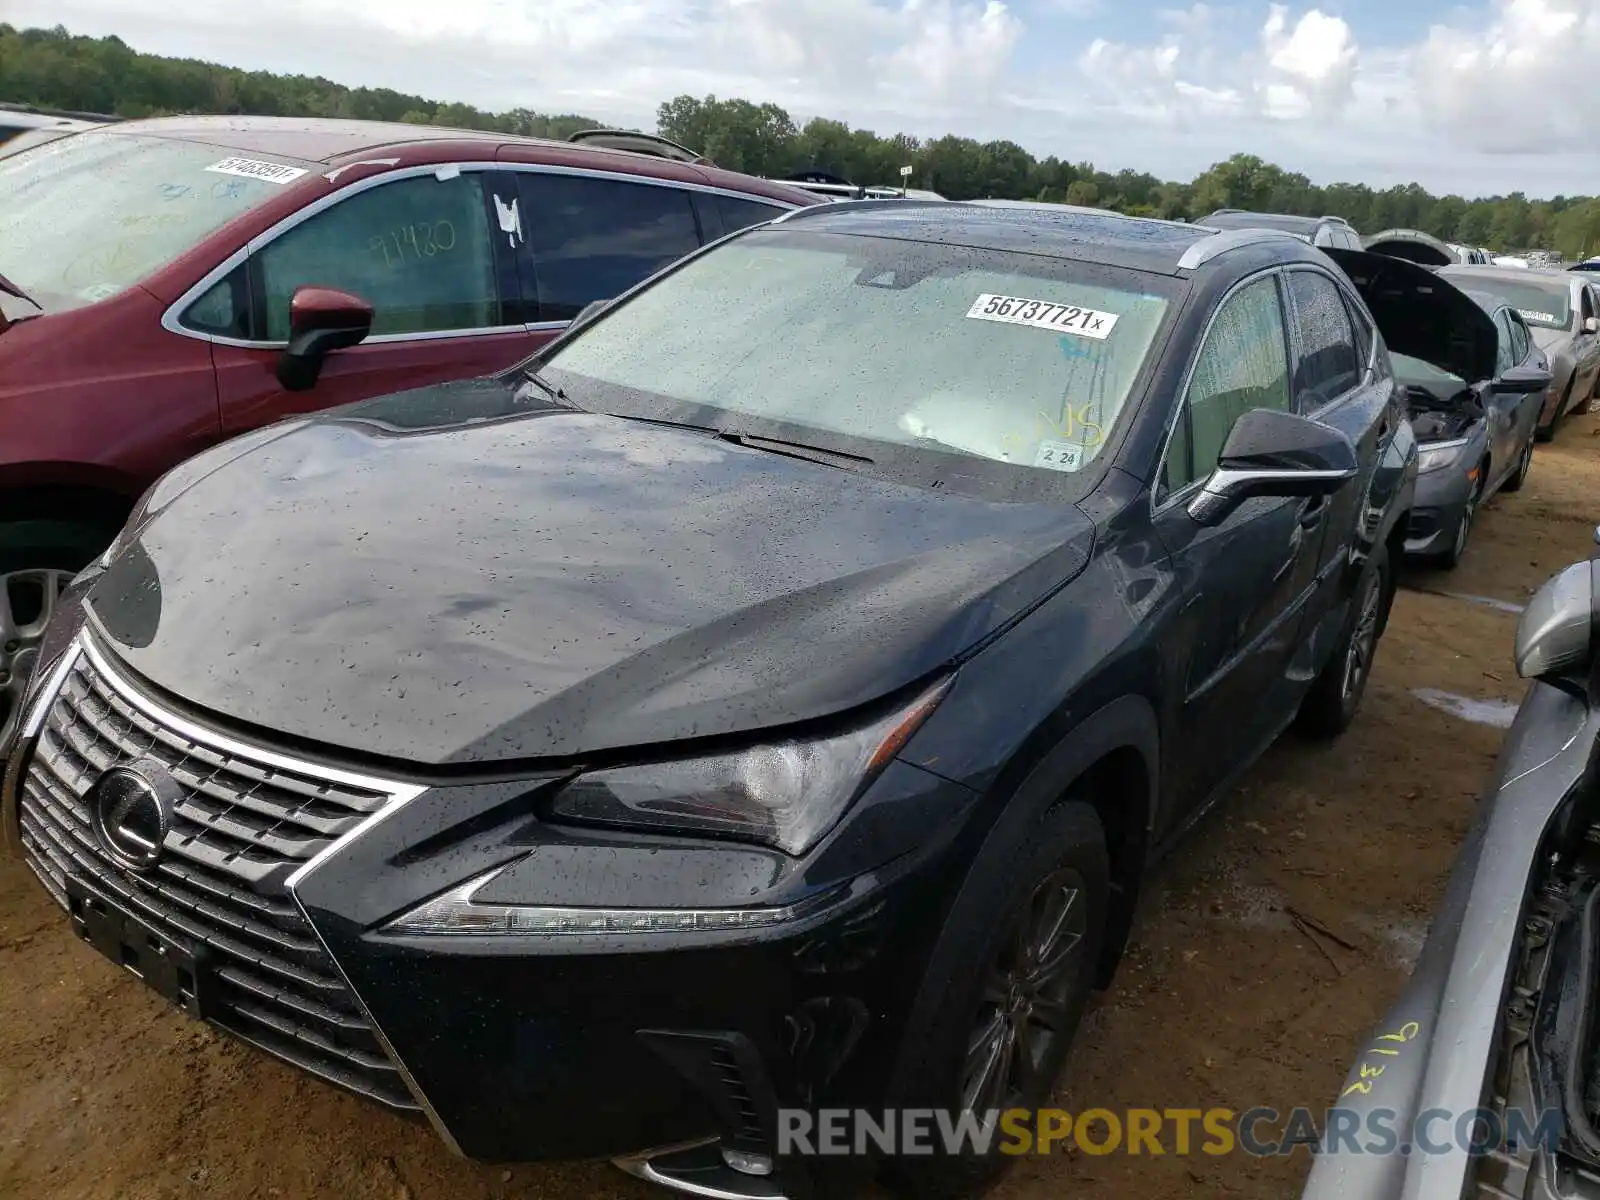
[1363,640]
[27,602]
[1026,1011]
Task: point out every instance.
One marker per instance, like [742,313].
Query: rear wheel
[1331,704]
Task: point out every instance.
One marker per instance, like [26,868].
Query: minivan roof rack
[638,143]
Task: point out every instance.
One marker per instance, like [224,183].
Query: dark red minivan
[153,274]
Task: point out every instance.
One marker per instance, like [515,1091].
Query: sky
[1477,99]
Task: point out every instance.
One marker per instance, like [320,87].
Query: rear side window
[417,250]
[1364,334]
[1519,339]
[593,239]
[1244,364]
[1328,366]
[1503,349]
[740,214]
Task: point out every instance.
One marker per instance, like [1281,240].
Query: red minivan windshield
[87,216]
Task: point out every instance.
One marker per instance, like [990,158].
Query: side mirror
[1591,324]
[321,320]
[1555,635]
[1523,379]
[1273,453]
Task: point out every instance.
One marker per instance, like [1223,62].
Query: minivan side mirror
[1591,324]
[1523,379]
[1556,632]
[321,320]
[1274,453]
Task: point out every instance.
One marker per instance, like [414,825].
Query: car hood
[1549,340]
[454,575]
[1413,245]
[1422,315]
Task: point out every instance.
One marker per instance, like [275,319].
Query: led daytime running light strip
[455,913]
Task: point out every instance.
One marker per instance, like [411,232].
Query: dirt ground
[1223,1001]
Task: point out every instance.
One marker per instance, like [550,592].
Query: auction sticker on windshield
[1529,314]
[1042,314]
[250,168]
[1059,456]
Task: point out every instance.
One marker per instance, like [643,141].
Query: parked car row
[1477,419]
[749,646]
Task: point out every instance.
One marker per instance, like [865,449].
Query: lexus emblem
[131,809]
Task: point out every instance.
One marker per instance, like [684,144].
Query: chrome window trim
[171,318]
[1272,272]
[399,794]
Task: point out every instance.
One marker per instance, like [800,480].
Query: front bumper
[1441,501]
[516,1047]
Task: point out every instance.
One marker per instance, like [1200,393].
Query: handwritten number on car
[412,243]
[1385,1045]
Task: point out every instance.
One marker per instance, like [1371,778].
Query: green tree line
[53,68]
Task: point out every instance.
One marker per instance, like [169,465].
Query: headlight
[785,794]
[1436,455]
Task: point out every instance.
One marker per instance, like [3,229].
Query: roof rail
[638,143]
[897,205]
[1203,251]
[1340,220]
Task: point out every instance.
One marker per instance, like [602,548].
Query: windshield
[1540,303]
[1018,360]
[85,217]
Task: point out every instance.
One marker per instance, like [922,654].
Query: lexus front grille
[241,828]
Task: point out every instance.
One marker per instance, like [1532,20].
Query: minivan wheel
[1022,942]
[1331,704]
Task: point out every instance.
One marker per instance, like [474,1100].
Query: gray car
[1482,1080]
[1563,313]
[1472,388]
[1476,438]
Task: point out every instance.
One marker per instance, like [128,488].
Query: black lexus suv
[768,697]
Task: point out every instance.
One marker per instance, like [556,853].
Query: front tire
[1335,696]
[1547,433]
[1524,465]
[1014,966]
[1451,558]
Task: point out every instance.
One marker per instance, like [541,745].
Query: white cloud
[1292,82]
[1525,79]
[1314,63]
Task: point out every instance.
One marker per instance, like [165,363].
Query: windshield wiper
[7,286]
[555,393]
[816,454]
